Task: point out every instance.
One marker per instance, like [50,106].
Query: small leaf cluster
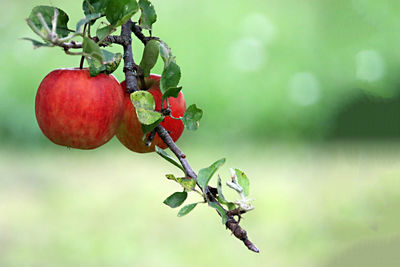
[239,183]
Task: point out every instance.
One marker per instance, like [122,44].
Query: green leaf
[186,209]
[188,183]
[92,50]
[111,60]
[165,53]
[221,198]
[148,16]
[88,18]
[220,210]
[108,65]
[95,6]
[171,177]
[243,181]
[205,174]
[95,67]
[48,13]
[231,206]
[150,55]
[143,99]
[192,117]
[37,44]
[144,104]
[171,92]
[148,128]
[103,32]
[148,117]
[120,11]
[176,199]
[170,77]
[170,159]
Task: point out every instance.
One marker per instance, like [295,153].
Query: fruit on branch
[130,132]
[79,111]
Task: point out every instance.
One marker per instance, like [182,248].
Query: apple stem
[81,63]
[175,118]
[137,31]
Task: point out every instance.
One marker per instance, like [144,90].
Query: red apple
[79,111]
[130,132]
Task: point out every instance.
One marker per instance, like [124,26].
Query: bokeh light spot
[304,89]
[370,66]
[247,54]
[259,26]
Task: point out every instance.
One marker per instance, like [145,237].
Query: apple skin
[130,132]
[79,111]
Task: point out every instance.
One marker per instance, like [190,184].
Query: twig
[137,31]
[73,53]
[76,45]
[115,39]
[164,135]
[233,225]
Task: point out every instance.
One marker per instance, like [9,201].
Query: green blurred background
[304,96]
